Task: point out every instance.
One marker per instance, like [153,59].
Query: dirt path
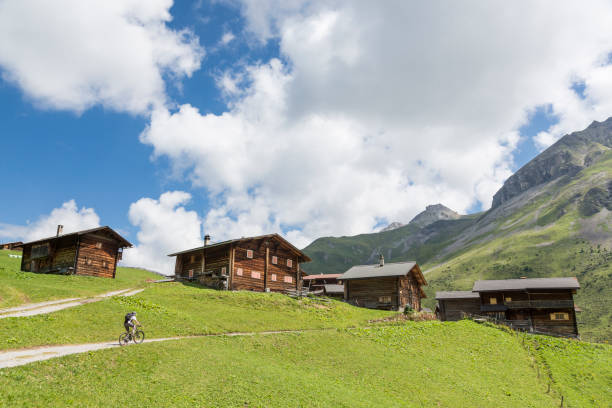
[14,358]
[55,305]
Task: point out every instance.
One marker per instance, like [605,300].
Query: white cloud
[165,226]
[74,54]
[69,215]
[381,109]
[227,38]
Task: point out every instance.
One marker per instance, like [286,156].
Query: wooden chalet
[92,252]
[266,263]
[391,286]
[539,305]
[15,246]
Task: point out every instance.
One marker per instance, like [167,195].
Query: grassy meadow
[176,309]
[425,364]
[18,287]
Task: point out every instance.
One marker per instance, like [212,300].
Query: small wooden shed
[15,246]
[93,252]
[390,286]
[455,304]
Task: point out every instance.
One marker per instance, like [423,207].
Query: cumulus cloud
[381,109]
[73,54]
[227,38]
[164,226]
[69,215]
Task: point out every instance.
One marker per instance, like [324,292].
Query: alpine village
[306,204]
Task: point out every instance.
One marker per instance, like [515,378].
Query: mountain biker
[130,322]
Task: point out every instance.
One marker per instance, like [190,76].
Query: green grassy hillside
[18,287]
[174,309]
[427,364]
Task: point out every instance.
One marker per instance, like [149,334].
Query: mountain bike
[126,337]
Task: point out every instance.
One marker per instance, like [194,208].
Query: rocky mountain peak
[569,155]
[434,213]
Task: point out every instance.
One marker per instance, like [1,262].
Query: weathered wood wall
[368,292]
[451,309]
[61,257]
[409,292]
[97,256]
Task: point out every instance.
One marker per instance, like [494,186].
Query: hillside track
[33,309]
[14,358]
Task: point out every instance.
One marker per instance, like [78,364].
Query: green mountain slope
[553,217]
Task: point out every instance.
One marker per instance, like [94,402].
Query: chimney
[381,260]
[60,228]
[206,239]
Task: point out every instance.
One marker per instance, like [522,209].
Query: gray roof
[334,288]
[457,294]
[525,284]
[377,271]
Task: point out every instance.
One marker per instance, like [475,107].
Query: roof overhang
[124,243]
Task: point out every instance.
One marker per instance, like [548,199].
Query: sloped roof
[288,244]
[525,284]
[387,270]
[457,294]
[124,243]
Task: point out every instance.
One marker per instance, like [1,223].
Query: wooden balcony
[540,304]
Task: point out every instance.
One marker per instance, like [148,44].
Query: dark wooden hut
[454,305]
[15,246]
[261,263]
[93,252]
[390,286]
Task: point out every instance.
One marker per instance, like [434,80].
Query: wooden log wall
[542,322]
[367,292]
[97,256]
[280,276]
[409,292]
[249,273]
[60,258]
[451,309]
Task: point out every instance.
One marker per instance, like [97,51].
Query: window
[274,260]
[273,277]
[191,273]
[492,301]
[288,279]
[255,275]
[223,271]
[88,261]
[192,258]
[508,299]
[250,253]
[104,264]
[39,251]
[239,271]
[559,316]
[98,245]
[290,263]
[384,299]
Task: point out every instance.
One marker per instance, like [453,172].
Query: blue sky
[305,121]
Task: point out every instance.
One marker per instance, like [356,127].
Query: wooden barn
[266,263]
[93,252]
[15,246]
[454,305]
[540,305]
[391,286]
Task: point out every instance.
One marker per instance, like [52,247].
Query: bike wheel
[124,339]
[139,336]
